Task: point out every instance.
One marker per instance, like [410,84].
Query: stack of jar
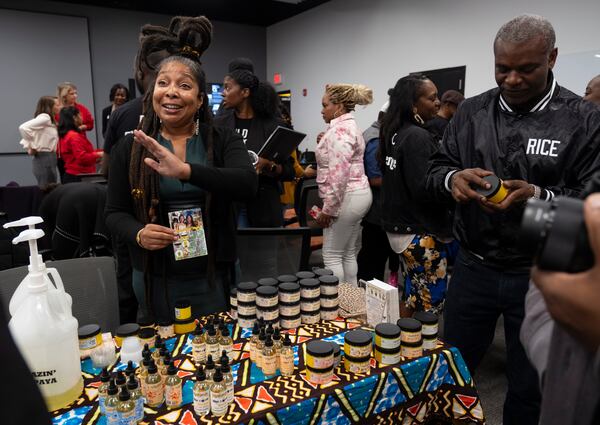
[267,304]
[357,351]
[269,352]
[411,340]
[184,323]
[429,322]
[387,343]
[246,304]
[233,302]
[329,297]
[310,301]
[319,362]
[289,305]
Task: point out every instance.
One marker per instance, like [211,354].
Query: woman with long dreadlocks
[179,163]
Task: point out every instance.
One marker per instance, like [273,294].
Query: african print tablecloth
[437,385]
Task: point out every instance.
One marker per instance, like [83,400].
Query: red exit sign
[277,78]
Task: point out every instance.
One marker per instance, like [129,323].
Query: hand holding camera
[572,299]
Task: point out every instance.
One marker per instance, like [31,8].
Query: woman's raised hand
[167,164]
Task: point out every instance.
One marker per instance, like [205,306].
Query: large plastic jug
[57,293]
[45,331]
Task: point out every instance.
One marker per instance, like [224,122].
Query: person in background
[343,184]
[375,249]
[414,224]
[543,141]
[449,104]
[74,149]
[40,138]
[240,63]
[592,91]
[67,96]
[253,112]
[119,94]
[179,162]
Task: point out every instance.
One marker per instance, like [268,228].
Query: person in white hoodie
[40,138]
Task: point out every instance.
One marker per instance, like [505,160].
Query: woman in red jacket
[75,150]
[67,96]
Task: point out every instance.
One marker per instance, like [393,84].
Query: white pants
[339,239]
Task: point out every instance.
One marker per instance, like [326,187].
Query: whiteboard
[38,51]
[575,70]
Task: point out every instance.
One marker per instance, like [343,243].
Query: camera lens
[555,235]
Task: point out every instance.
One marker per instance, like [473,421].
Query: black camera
[554,233]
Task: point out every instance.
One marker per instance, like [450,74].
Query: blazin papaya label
[44,377]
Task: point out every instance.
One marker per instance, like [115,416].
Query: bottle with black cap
[227,380]
[212,342]
[162,369]
[173,392]
[270,330]
[103,389]
[120,380]
[210,367]
[157,346]
[277,344]
[262,336]
[286,357]
[137,397]
[225,341]
[201,393]
[143,369]
[218,395]
[130,370]
[126,408]
[224,359]
[155,391]
[252,342]
[112,400]
[198,346]
[146,353]
[269,359]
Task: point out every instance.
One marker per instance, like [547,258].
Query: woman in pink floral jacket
[343,185]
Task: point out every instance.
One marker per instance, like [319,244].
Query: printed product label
[387,358]
[213,350]
[246,297]
[270,315]
[247,311]
[228,348]
[218,403]
[286,364]
[183,313]
[357,352]
[430,329]
[289,297]
[127,418]
[173,396]
[319,362]
[411,336]
[243,323]
[199,352]
[269,365]
[201,403]
[88,343]
[329,315]
[388,344]
[329,289]
[266,302]
[429,344]
[310,319]
[154,394]
[112,416]
[310,293]
[291,324]
[329,302]
[357,367]
[411,352]
[285,310]
[319,378]
[310,306]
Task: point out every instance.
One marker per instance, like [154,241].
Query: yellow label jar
[183,309]
[412,350]
[496,193]
[184,326]
[387,336]
[319,354]
[410,330]
[147,336]
[90,337]
[123,331]
[358,344]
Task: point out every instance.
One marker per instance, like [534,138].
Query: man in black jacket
[542,141]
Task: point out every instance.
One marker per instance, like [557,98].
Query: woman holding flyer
[179,165]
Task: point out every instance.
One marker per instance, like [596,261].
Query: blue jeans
[477,295]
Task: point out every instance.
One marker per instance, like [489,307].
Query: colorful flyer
[190,229]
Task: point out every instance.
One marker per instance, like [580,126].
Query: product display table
[437,386]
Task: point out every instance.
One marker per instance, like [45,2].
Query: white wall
[376,42]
